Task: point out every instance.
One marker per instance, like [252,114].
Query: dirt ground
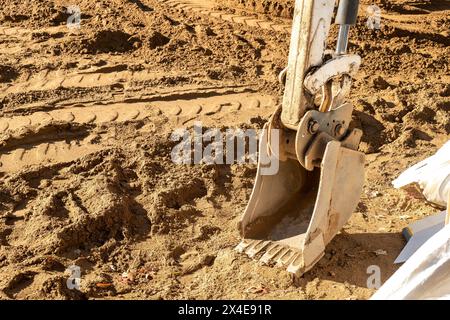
[85,151]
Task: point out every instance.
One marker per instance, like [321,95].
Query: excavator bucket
[294,213]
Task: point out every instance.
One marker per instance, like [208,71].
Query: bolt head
[314,127]
[340,130]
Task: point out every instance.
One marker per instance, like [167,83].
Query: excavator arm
[292,215]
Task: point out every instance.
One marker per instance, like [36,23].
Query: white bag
[432,176]
[425,276]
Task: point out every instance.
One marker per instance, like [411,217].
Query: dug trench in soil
[86,119]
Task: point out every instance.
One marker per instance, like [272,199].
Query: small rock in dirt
[214,74]
[380,83]
[157,40]
[402,49]
[381,252]
[206,232]
[445,92]
[236,70]
[7,74]
[374,194]
[60,16]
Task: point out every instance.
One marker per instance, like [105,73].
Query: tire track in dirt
[182,112]
[135,93]
[49,80]
[116,76]
[15,39]
[46,153]
[109,76]
[22,33]
[207,7]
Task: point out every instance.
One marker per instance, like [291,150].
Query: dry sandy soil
[85,167]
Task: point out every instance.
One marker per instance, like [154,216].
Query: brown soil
[86,172]
[275,8]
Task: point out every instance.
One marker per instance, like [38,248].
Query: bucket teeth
[271,252]
[286,258]
[296,265]
[242,247]
[257,248]
[274,254]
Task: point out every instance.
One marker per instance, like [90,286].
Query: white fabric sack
[425,276]
[431,175]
